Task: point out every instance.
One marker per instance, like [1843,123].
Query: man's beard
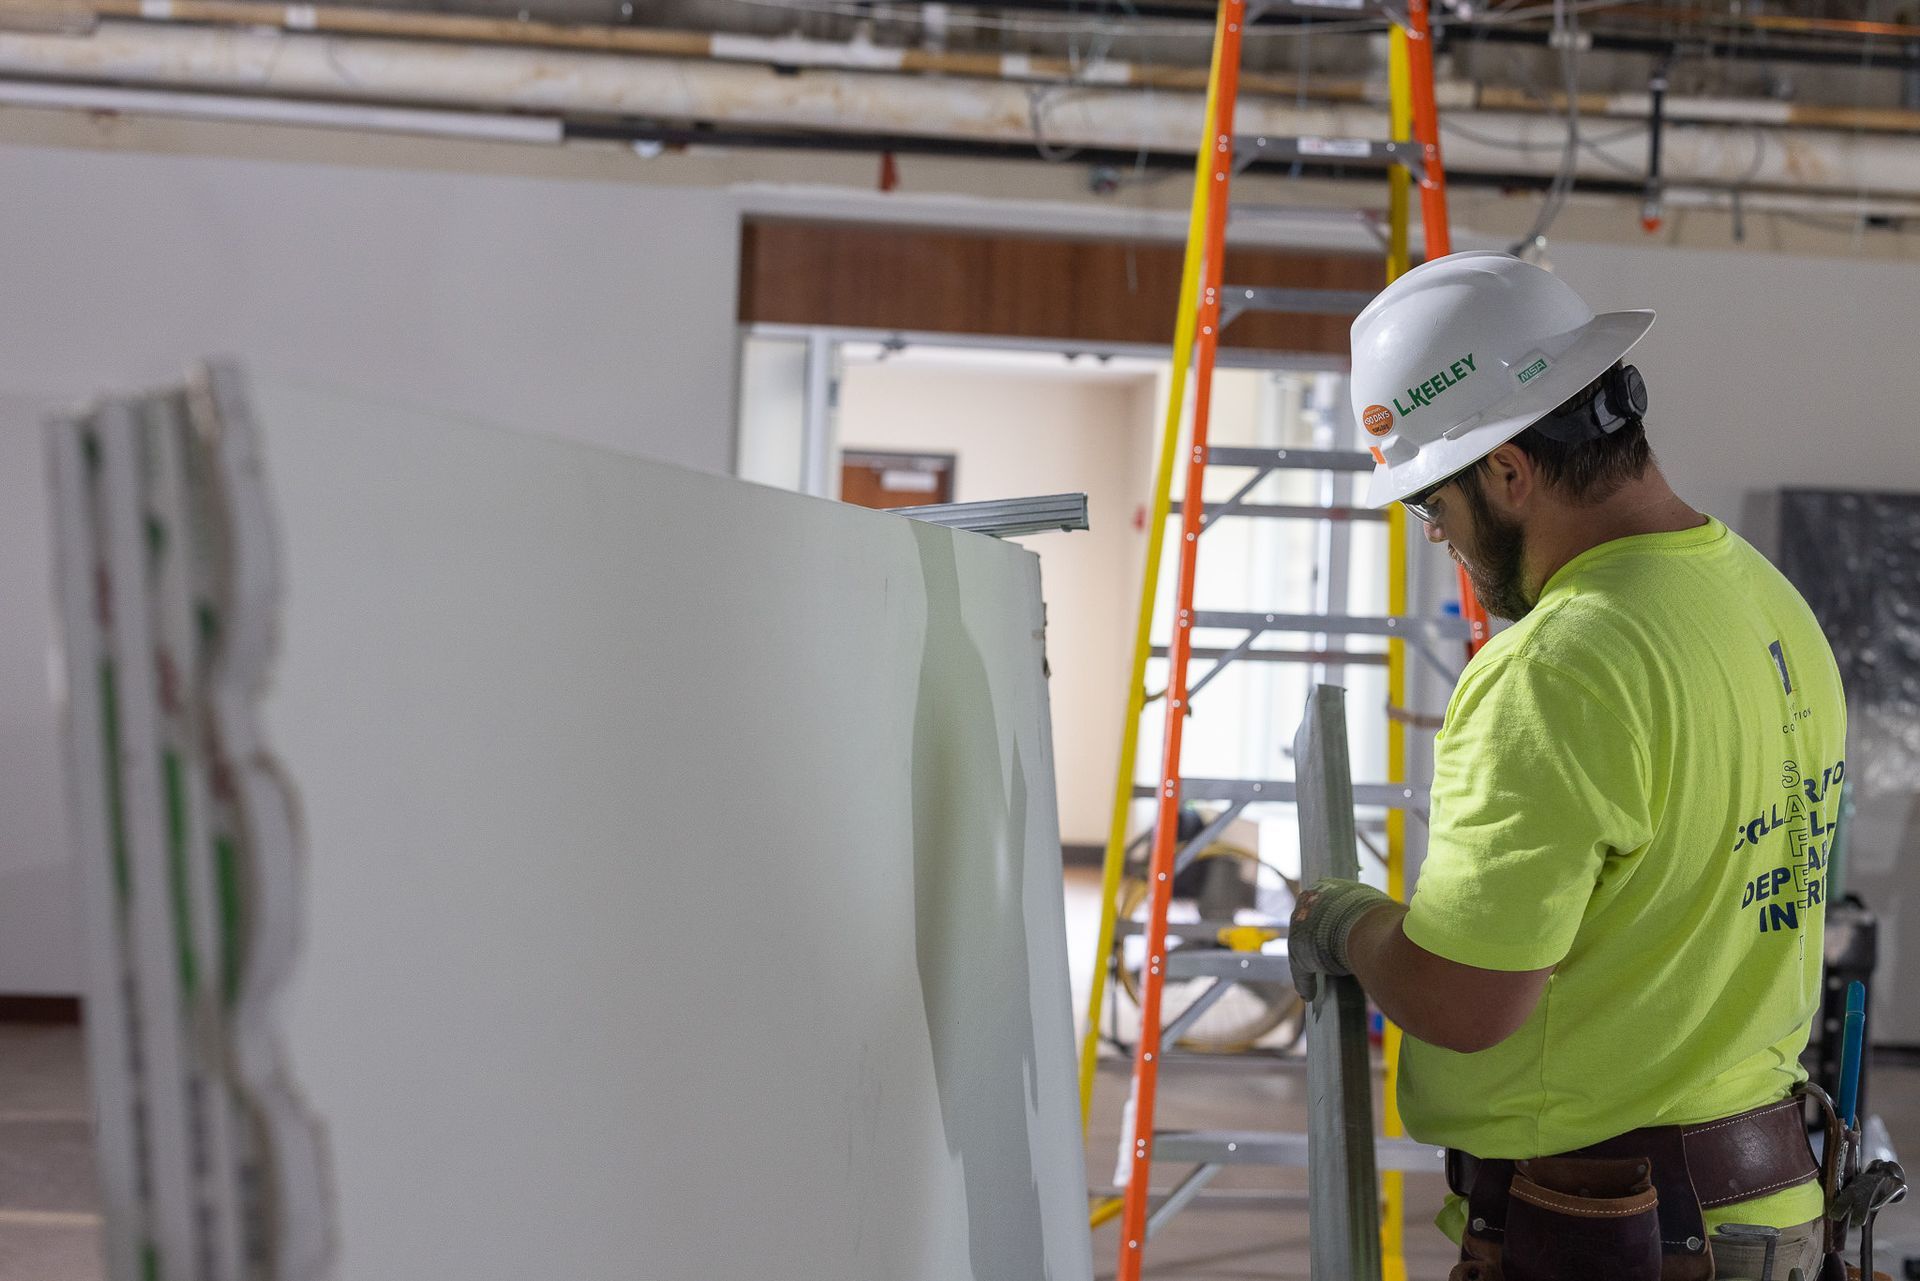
[1499,546]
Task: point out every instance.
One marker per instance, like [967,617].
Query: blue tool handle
[1851,1037]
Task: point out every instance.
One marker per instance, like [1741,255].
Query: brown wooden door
[870,478]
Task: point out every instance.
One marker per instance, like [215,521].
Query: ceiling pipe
[1704,46]
[1689,35]
[1838,39]
[1762,22]
[359,117]
[651,137]
[1756,111]
[587,86]
[1650,207]
[859,54]
[58,16]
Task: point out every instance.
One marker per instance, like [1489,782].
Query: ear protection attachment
[1621,398]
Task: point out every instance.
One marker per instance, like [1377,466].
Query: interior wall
[1794,371]
[595,310]
[1021,433]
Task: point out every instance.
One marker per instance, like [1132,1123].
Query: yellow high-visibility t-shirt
[1636,784]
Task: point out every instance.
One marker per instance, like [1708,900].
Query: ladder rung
[1286,511]
[1261,1147]
[1440,628]
[1318,657]
[1220,963]
[1277,791]
[1371,221]
[1256,211]
[1257,9]
[1192,931]
[1237,300]
[1254,148]
[1290,459]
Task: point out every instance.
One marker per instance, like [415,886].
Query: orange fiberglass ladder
[1204,310]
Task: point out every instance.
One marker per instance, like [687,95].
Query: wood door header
[1019,285]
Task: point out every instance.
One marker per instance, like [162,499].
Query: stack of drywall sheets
[508,858]
[172,822]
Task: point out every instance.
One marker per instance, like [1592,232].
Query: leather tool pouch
[1490,1251]
[1535,1219]
[1683,1229]
[1582,1219]
[1560,1216]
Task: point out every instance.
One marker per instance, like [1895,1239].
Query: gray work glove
[1322,920]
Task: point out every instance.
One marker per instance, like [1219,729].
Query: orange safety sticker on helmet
[1377,419]
[1378,457]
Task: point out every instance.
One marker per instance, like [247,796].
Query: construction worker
[1610,963]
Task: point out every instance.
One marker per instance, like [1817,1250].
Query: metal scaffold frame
[1206,304]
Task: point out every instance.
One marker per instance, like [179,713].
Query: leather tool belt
[1628,1208]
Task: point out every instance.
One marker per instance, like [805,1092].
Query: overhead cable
[1565,34]
[1155,28]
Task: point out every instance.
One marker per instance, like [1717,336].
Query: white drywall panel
[682,881]
[40,922]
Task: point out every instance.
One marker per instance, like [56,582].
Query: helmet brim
[1606,339]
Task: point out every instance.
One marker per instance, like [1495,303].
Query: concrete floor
[1251,1224]
[1251,1221]
[49,1220]
[49,1207]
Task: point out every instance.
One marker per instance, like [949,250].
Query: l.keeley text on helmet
[1419,397]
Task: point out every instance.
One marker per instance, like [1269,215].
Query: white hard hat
[1462,354]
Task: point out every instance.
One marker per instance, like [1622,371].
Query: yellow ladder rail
[1186,317]
[1393,1229]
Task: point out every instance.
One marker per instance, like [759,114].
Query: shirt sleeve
[1535,785]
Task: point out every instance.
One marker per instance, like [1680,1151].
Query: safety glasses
[1420,503]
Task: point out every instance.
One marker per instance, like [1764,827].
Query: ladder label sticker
[1358,148]
[1378,420]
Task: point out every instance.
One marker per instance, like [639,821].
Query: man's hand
[1322,921]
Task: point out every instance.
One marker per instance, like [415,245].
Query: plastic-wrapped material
[1856,558]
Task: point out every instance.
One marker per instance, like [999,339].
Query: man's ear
[1510,480]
